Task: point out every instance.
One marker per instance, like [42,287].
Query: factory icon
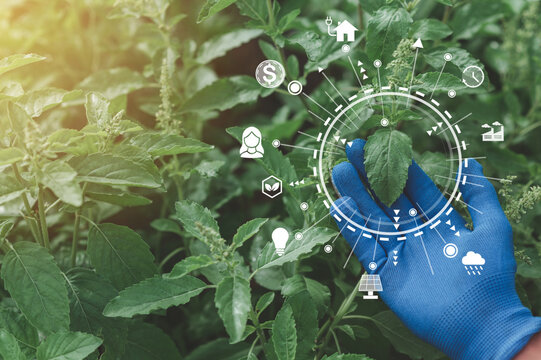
[492,134]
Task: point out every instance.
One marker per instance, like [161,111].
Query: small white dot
[327,248]
[450,250]
[384,122]
[372,266]
[451,93]
[377,63]
[294,87]
[298,236]
[276,143]
[447,57]
[304,206]
[413,212]
[346,48]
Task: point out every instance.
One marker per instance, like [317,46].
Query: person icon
[251,144]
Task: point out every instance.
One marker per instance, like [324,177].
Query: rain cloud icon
[473,263]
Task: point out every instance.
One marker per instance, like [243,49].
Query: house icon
[345,29]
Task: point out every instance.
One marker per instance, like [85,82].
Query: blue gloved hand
[465,305]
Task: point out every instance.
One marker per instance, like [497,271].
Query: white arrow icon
[418,44]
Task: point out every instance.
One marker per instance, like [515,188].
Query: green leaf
[67,346]
[429,29]
[384,31]
[348,330]
[286,20]
[284,334]
[429,82]
[338,356]
[113,82]
[61,179]
[10,188]
[247,230]
[153,294]
[169,144]
[148,342]
[10,155]
[197,220]
[166,225]
[319,293]
[269,50]
[264,301]
[212,7]
[16,117]
[9,347]
[305,315]
[140,157]
[15,61]
[112,170]
[371,6]
[433,165]
[115,196]
[295,248]
[119,254]
[255,9]
[209,169]
[36,284]
[220,45]
[388,155]
[97,108]
[310,42]
[224,94]
[233,303]
[469,19]
[88,294]
[446,2]
[73,142]
[12,321]
[220,349]
[37,101]
[402,338]
[190,264]
[460,59]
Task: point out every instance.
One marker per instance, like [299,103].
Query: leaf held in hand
[387,157]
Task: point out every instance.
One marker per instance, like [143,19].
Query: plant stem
[75,239]
[446,14]
[168,257]
[272,21]
[259,331]
[342,311]
[362,317]
[28,208]
[76,225]
[42,219]
[336,341]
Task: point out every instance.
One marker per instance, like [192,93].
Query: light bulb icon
[279,238]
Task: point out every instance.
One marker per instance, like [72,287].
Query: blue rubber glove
[465,305]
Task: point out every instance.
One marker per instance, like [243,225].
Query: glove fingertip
[472,166]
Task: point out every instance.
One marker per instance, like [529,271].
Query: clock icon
[473,76]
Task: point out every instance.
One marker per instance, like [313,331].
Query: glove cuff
[487,322]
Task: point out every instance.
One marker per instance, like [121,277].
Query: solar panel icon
[370,283]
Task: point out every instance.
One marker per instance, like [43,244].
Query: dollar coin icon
[270,74]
